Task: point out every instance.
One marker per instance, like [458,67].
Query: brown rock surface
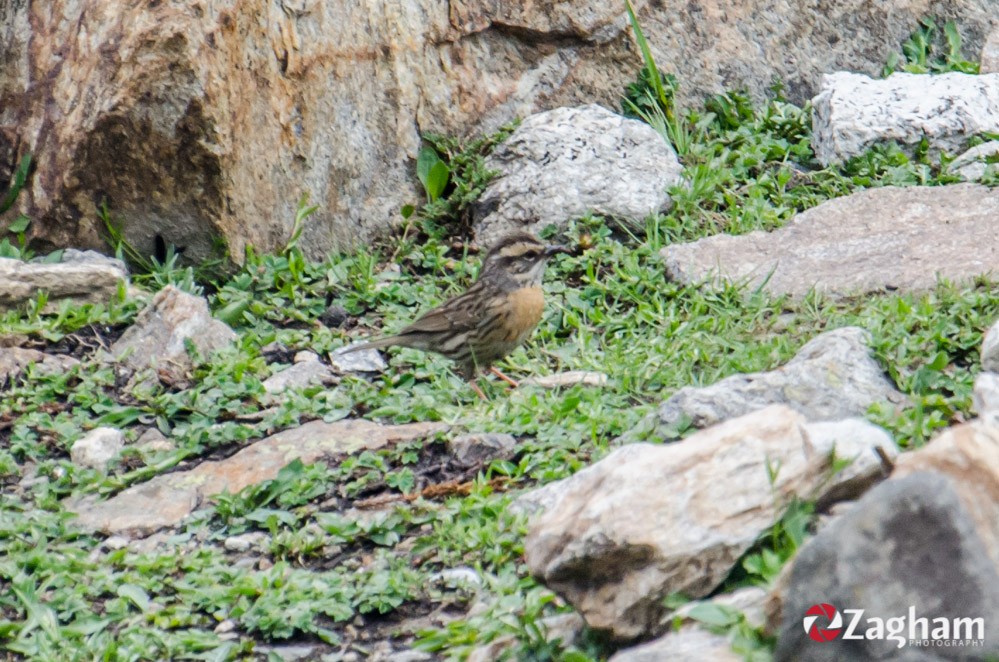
[211,117]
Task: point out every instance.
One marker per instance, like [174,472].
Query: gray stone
[289,652]
[650,520]
[990,349]
[157,339]
[168,498]
[14,361]
[971,165]
[153,441]
[870,241]
[84,279]
[852,112]
[458,577]
[832,377]
[909,543]
[689,644]
[469,450]
[563,163]
[362,361]
[990,53]
[985,396]
[307,370]
[245,542]
[98,447]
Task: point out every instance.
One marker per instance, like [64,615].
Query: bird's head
[519,256]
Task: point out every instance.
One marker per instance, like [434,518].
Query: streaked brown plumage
[487,321]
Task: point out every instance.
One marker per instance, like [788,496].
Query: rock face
[168,498]
[909,543]
[563,163]
[159,335]
[650,520]
[83,277]
[852,112]
[833,376]
[884,238]
[204,119]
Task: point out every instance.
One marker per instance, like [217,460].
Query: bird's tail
[379,343]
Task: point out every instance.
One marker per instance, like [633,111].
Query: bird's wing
[457,314]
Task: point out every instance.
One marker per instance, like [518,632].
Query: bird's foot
[509,380]
[478,391]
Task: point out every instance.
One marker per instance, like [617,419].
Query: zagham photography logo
[823,622]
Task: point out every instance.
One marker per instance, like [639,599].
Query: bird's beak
[555,248]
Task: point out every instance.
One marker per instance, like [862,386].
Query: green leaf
[425,161]
[135,594]
[407,211]
[16,184]
[19,225]
[714,614]
[437,180]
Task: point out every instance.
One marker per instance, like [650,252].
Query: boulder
[561,164]
[832,377]
[191,120]
[852,112]
[650,520]
[869,241]
[158,338]
[909,550]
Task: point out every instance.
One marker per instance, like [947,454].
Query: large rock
[833,376]
[81,277]
[909,544]
[869,241]
[852,112]
[158,338]
[650,520]
[561,164]
[168,498]
[210,118]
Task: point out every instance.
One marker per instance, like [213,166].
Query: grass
[66,595]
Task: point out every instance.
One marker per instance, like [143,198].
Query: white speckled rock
[852,112]
[96,448]
[561,164]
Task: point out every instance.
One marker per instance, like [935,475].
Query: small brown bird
[486,322]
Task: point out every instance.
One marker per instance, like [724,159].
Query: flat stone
[165,500]
[688,644]
[83,278]
[157,339]
[870,241]
[650,520]
[852,112]
[307,372]
[361,361]
[563,163]
[475,448]
[832,377]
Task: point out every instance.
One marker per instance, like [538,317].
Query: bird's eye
[532,253]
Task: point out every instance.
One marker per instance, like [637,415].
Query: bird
[492,317]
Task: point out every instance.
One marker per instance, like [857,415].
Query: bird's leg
[478,391]
[509,380]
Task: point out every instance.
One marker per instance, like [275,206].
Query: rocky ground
[765,384]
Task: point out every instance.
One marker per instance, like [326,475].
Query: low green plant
[930,50]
